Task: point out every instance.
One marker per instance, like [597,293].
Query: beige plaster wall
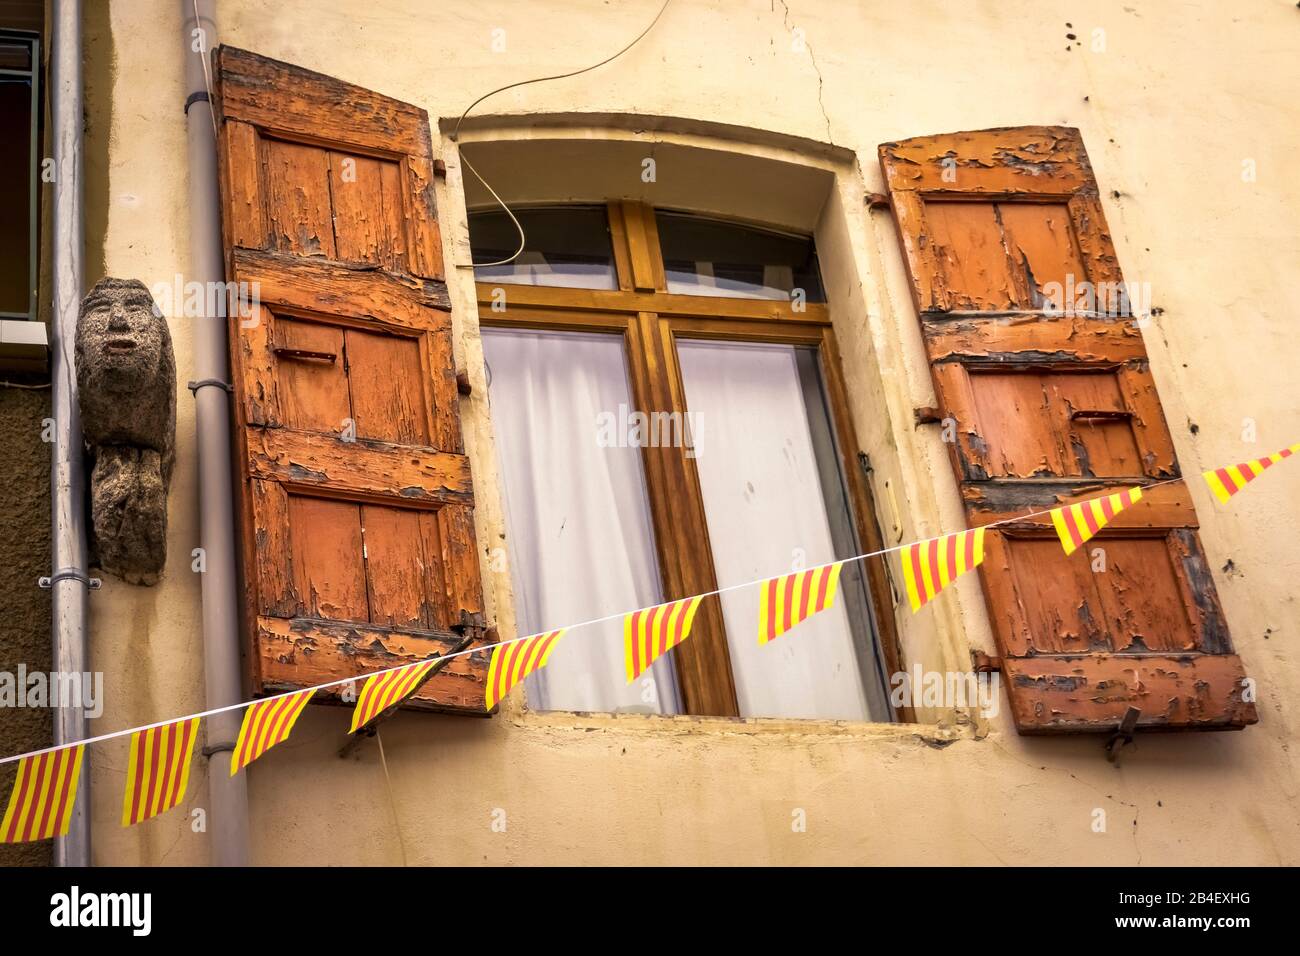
[1170,108]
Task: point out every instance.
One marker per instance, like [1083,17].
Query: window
[20,68]
[743,467]
[568,246]
[704,257]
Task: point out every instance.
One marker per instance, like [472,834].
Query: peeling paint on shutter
[356,501]
[1000,230]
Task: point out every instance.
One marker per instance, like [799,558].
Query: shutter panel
[1051,409]
[357,509]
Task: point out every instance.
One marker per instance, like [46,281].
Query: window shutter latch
[1123,735]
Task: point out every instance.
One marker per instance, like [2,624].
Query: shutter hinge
[877,201]
[440,169]
[462,383]
[982,663]
[927,415]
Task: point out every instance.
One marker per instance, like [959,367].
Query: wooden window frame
[651,319]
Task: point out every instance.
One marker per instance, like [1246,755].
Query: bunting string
[160,753]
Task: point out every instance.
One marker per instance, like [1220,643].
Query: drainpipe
[68,582]
[227,795]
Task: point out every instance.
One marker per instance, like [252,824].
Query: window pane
[706,257]
[577,521]
[15,196]
[566,246]
[775,502]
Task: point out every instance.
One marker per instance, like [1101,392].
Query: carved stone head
[126,371]
[126,379]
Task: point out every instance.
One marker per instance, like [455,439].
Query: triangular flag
[930,566]
[515,660]
[158,769]
[1078,522]
[651,632]
[793,598]
[40,806]
[1227,481]
[382,691]
[267,723]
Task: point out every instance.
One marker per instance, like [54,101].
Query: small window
[19,110]
[567,246]
[707,257]
[650,454]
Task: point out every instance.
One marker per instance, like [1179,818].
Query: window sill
[23,346]
[956,726]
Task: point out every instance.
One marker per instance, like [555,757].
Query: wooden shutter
[357,508]
[1052,408]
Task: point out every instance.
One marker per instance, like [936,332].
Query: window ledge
[956,726]
[23,346]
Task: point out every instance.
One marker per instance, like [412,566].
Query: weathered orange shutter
[357,507]
[1051,409]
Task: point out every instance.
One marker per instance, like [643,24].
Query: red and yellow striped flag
[930,566]
[512,662]
[651,632]
[1078,522]
[267,723]
[793,598]
[40,806]
[158,770]
[382,691]
[1227,481]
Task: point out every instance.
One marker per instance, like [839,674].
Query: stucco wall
[1169,110]
[24,557]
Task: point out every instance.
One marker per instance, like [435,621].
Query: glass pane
[15,196]
[577,519]
[564,246]
[775,502]
[706,257]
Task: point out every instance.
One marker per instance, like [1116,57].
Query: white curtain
[767,515]
[577,521]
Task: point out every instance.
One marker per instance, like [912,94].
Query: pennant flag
[1226,482]
[930,566]
[40,806]
[158,770]
[382,691]
[512,662]
[651,632]
[793,598]
[1077,523]
[267,723]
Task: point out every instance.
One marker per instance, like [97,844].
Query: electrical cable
[510,86]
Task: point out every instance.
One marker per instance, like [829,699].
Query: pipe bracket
[69,574]
[213,749]
[200,97]
[215,382]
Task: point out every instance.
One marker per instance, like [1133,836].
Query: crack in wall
[812,58]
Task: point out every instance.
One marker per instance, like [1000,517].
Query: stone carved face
[121,334]
[126,382]
[126,372]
